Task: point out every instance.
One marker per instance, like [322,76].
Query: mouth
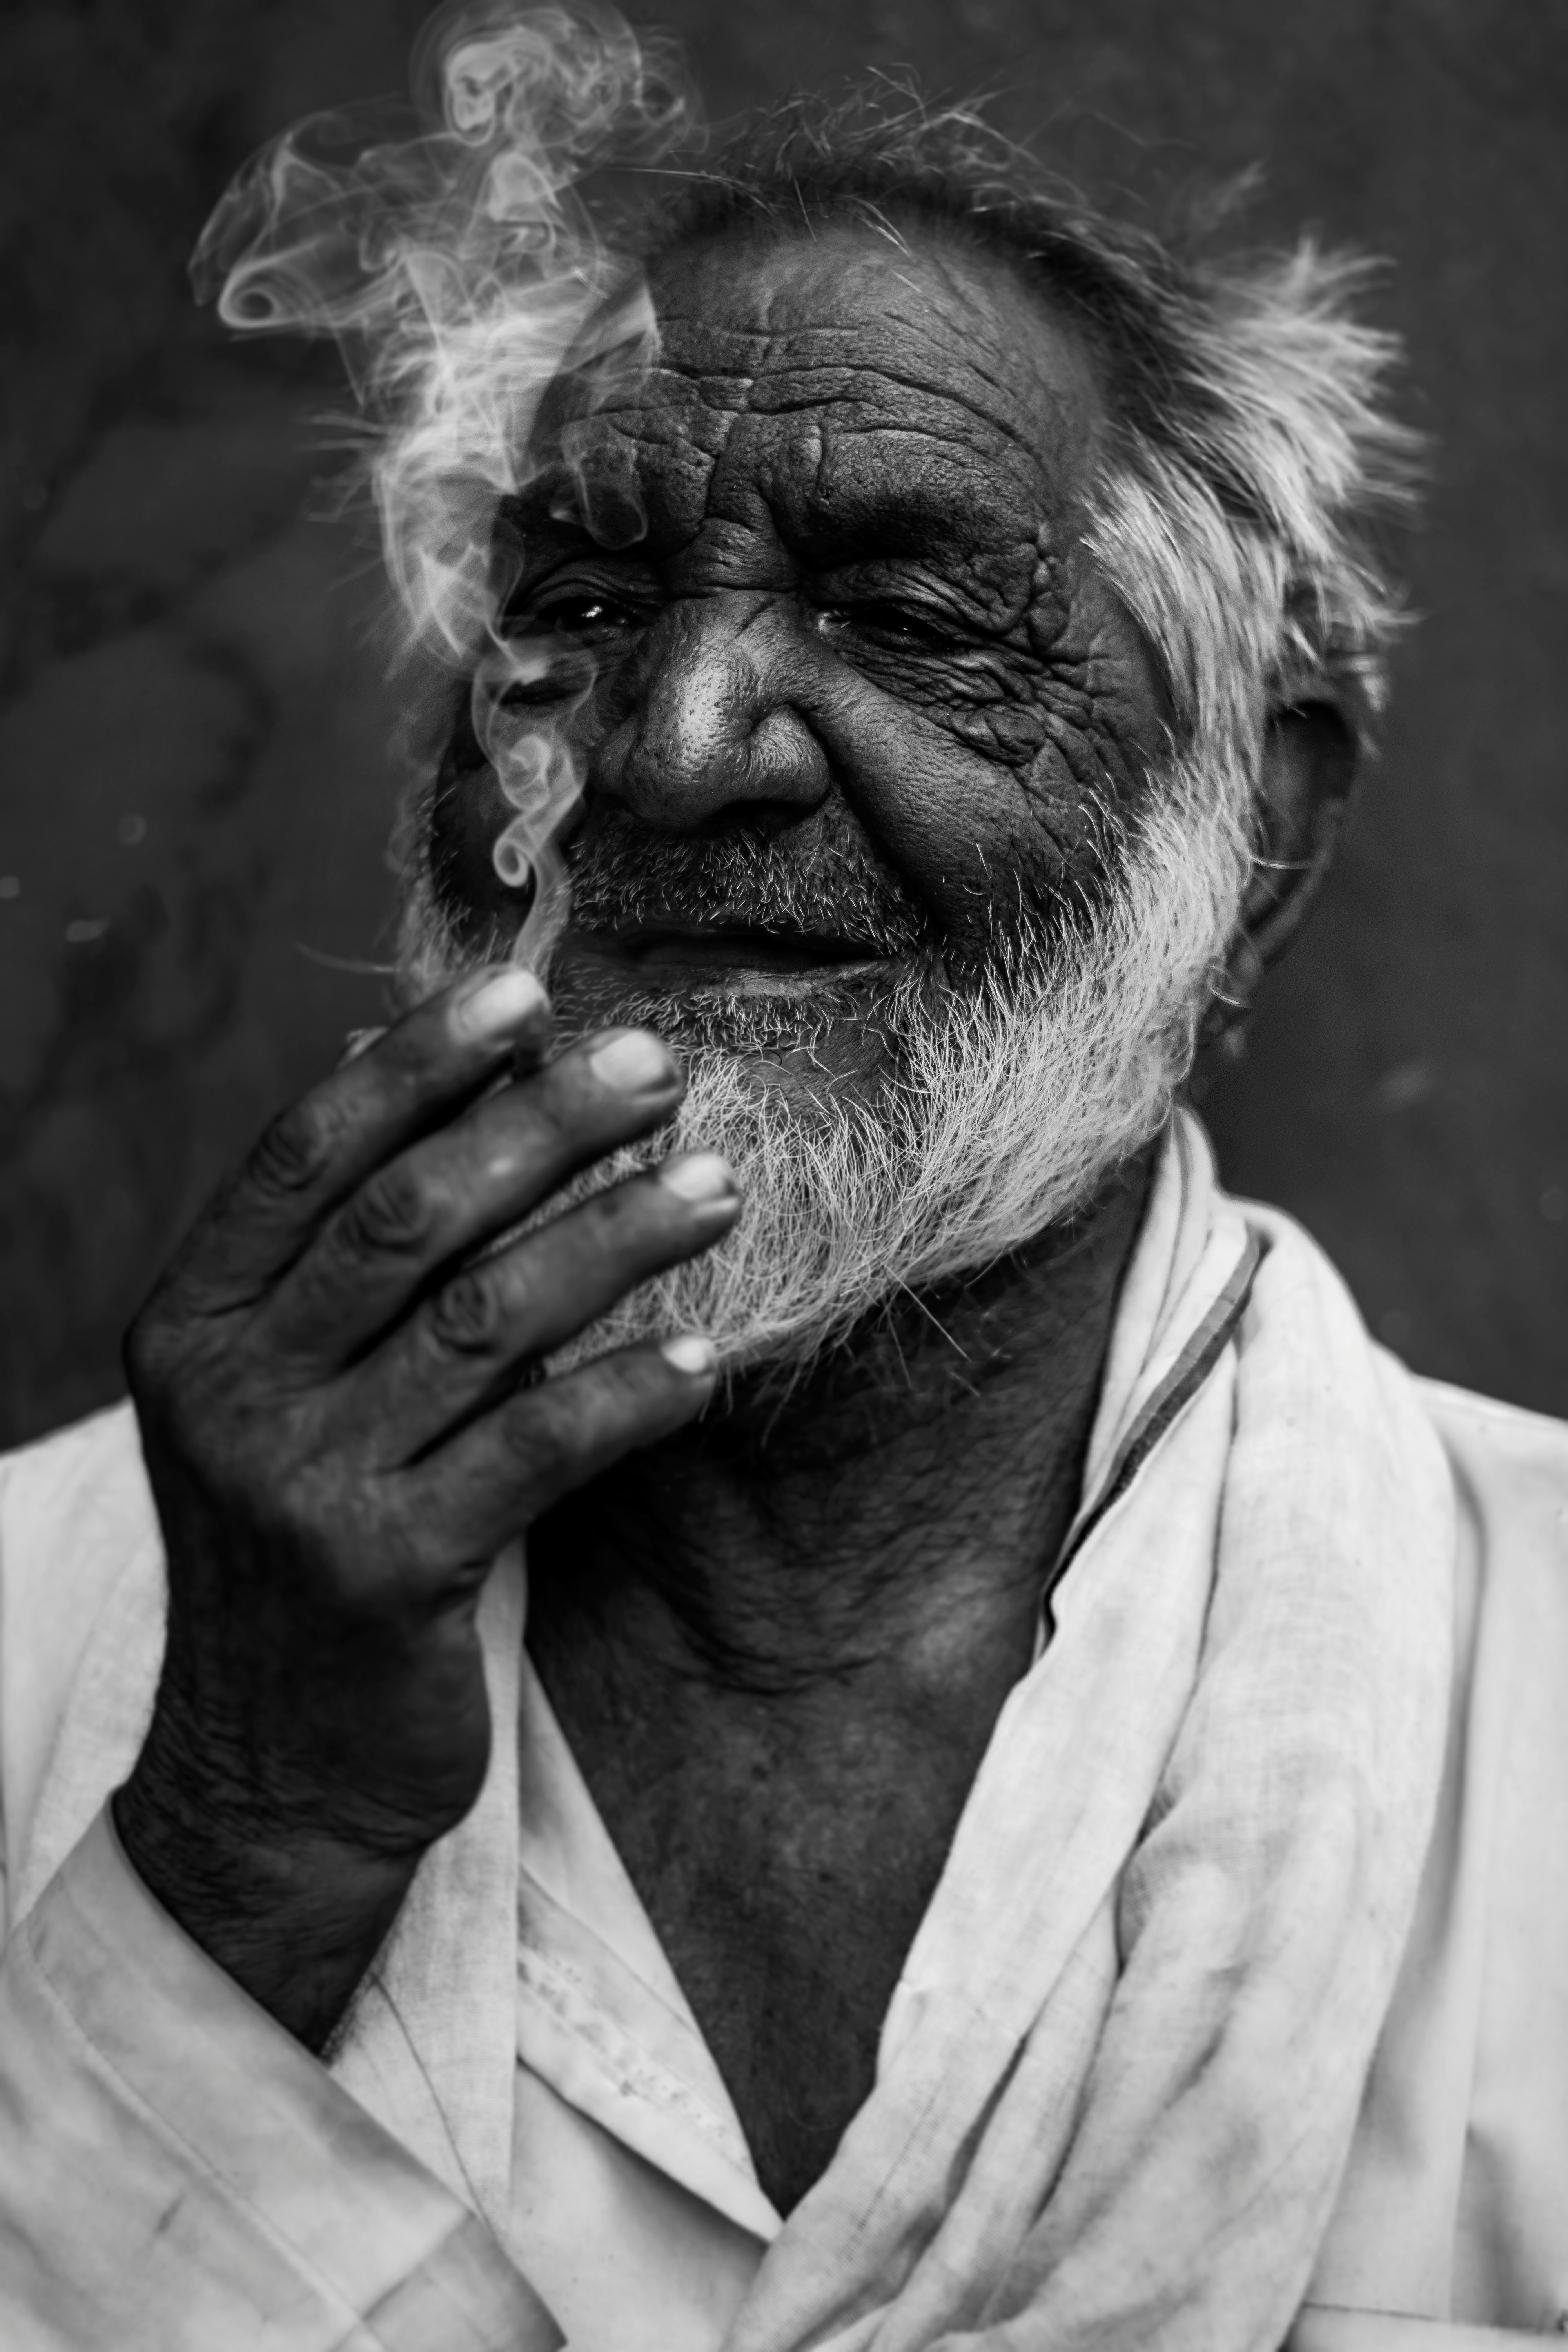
[736,958]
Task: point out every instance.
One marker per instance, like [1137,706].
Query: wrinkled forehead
[847,382]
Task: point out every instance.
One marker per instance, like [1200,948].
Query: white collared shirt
[638,2216]
[178,2174]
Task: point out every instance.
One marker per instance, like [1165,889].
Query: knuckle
[538,1438]
[632,1226]
[554,1118]
[465,1316]
[170,1354]
[404,1058]
[609,1212]
[392,1215]
[153,1357]
[296,1150]
[555,1417]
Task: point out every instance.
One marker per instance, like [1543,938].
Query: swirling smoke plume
[449,251]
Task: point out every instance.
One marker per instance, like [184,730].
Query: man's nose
[712,727]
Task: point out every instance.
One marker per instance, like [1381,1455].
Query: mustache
[820,877]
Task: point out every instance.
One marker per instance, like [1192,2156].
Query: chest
[786,1904]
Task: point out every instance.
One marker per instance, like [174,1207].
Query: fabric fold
[431,2047]
[1121,2112]
[243,2199]
[1120,2116]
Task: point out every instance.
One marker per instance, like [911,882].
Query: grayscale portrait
[783,1553]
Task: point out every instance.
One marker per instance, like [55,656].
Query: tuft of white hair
[1235,525]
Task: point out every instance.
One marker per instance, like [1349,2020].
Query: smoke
[459,268]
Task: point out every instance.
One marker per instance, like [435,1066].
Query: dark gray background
[194,792]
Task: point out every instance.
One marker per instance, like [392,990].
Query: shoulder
[1496,1922]
[1509,1473]
[1510,1466]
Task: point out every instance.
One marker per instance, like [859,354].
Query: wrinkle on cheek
[1119,670]
[942,818]
[1070,823]
[1003,730]
[1049,613]
[1069,749]
[1085,779]
[1098,706]
[988,811]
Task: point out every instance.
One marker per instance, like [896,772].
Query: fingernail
[690,1353]
[632,1064]
[699,1176]
[498,1005]
[358,1041]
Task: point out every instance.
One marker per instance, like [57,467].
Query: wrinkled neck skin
[888,1527]
[779,1644]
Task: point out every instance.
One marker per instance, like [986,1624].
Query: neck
[895,1513]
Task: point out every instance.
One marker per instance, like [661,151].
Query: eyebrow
[529,517]
[949,525]
[905,516]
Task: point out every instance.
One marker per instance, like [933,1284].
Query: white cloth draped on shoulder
[1119,2077]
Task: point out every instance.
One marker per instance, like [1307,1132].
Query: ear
[1307,777]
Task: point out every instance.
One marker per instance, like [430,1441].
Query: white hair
[1236,534]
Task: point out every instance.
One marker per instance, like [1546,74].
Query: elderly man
[1024,1814]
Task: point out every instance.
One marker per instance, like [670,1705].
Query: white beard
[1012,1102]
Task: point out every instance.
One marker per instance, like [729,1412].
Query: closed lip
[660,950]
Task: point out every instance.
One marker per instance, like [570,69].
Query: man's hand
[341,1434]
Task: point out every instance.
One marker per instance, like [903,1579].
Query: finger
[469,1342]
[490,1483]
[390,1241]
[313,1156]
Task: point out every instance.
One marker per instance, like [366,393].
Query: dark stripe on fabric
[1185,1376]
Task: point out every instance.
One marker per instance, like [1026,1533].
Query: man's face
[860,730]
[859,697]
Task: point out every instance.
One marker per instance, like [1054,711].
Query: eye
[882,623]
[589,615]
[579,615]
